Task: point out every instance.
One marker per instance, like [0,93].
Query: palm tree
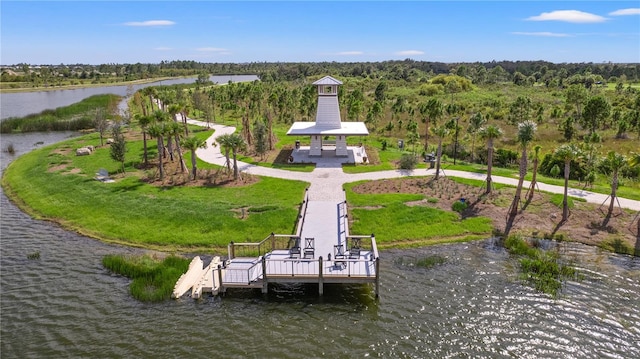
[174,130]
[615,162]
[441,132]
[237,143]
[144,122]
[475,124]
[157,130]
[536,161]
[567,153]
[430,111]
[225,144]
[526,131]
[490,133]
[192,144]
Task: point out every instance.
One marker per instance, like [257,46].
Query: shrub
[459,206]
[505,157]
[408,162]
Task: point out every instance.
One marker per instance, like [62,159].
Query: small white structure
[328,122]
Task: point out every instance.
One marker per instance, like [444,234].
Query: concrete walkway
[326,181]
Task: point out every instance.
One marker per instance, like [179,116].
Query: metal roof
[310,128]
[328,80]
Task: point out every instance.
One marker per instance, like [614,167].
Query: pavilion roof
[310,129]
[328,80]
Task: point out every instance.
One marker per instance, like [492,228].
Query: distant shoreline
[74,87]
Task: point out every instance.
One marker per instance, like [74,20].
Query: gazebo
[328,122]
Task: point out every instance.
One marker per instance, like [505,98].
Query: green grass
[424,262]
[557,198]
[619,246]
[628,189]
[152,279]
[132,212]
[539,268]
[393,221]
[77,116]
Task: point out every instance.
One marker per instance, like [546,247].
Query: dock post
[222,288]
[378,277]
[265,282]
[231,250]
[320,278]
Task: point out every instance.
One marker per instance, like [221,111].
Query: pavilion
[328,124]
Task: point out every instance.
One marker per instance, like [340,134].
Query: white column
[316,146]
[341,146]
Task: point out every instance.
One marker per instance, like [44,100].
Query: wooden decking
[321,251]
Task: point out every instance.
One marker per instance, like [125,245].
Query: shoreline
[306,177]
[89,85]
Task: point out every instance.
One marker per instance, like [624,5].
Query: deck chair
[308,247]
[294,252]
[354,253]
[338,255]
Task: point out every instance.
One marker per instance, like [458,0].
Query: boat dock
[321,251]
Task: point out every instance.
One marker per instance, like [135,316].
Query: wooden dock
[321,251]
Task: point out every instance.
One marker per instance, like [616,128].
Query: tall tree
[614,162]
[192,143]
[490,133]
[101,123]
[577,96]
[441,132]
[431,111]
[475,124]
[520,110]
[118,148]
[237,144]
[225,144]
[536,162]
[157,130]
[567,153]
[596,111]
[174,130]
[526,131]
[144,122]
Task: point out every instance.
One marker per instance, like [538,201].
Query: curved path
[327,180]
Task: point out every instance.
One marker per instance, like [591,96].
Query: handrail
[302,213]
[256,249]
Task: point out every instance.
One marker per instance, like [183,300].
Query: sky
[101,32]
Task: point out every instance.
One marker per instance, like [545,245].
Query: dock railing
[271,243]
[302,213]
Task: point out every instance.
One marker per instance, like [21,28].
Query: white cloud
[543,34]
[350,53]
[409,53]
[622,12]
[574,16]
[150,23]
[212,49]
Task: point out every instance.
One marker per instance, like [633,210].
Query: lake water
[65,304]
[19,104]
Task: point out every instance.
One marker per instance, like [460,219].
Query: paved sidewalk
[326,182]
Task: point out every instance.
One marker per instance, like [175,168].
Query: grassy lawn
[397,224]
[60,186]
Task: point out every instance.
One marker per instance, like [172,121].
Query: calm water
[20,104]
[66,305]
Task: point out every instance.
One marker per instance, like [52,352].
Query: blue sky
[96,32]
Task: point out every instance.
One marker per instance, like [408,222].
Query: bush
[459,206]
[408,162]
[577,170]
[505,157]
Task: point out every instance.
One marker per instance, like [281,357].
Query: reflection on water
[65,304]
